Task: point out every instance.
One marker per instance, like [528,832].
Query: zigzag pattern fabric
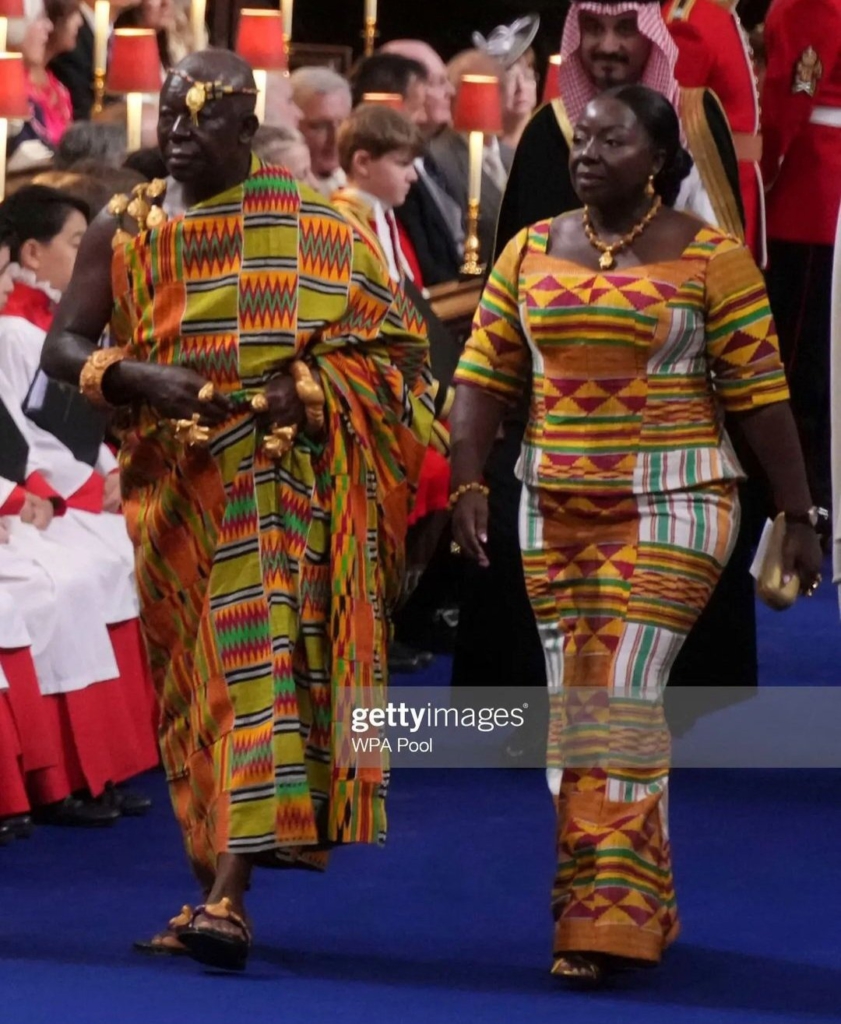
[628,516]
[266,586]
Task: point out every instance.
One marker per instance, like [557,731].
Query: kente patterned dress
[628,514]
[265,586]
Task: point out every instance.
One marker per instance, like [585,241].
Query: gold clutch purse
[769,579]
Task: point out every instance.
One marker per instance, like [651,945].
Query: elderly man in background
[323,97]
[281,109]
[431,216]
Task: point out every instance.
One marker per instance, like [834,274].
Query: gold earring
[649,188]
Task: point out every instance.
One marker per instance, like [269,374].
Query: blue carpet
[450,921]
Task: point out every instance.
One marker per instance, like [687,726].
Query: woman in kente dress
[635,327]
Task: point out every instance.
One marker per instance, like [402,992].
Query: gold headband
[201,93]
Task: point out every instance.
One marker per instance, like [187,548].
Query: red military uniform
[714,53]
[801,119]
[801,124]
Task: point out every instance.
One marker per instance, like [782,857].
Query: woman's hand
[470,526]
[172,390]
[36,511]
[802,556]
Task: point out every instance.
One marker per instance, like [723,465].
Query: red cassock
[801,120]
[714,53]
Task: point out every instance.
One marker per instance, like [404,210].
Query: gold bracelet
[311,395]
[95,368]
[459,493]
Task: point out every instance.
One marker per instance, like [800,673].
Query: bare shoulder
[565,230]
[679,227]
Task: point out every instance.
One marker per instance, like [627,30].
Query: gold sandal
[168,942]
[583,968]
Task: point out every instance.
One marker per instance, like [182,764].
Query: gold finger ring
[455,548]
[207,392]
[280,441]
[259,403]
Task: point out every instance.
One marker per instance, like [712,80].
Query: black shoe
[22,825]
[129,803]
[6,834]
[76,813]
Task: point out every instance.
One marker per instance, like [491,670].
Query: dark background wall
[447,26]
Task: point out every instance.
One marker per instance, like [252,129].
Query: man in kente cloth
[277,404]
[604,44]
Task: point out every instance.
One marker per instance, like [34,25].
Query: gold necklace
[607,260]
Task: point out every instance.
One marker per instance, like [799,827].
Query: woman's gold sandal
[582,968]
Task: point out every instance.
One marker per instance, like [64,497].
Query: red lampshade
[134,64]
[384,99]
[552,84]
[260,39]
[14,99]
[478,106]
[12,9]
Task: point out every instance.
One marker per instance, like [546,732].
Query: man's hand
[111,497]
[37,511]
[172,390]
[285,408]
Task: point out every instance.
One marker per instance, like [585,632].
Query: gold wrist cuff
[459,493]
[95,368]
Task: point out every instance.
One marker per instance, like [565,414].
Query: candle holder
[98,90]
[471,266]
[370,35]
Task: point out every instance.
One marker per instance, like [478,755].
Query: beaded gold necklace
[608,251]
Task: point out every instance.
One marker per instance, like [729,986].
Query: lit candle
[197,21]
[370,10]
[134,121]
[4,31]
[286,7]
[101,25]
[261,81]
[477,152]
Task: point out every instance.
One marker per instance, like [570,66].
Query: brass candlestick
[370,35]
[471,266]
[98,90]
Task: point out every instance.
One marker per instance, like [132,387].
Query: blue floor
[450,922]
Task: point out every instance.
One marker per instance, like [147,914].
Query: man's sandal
[168,942]
[213,947]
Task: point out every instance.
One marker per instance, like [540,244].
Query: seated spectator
[285,147]
[170,21]
[281,109]
[392,73]
[50,32]
[431,217]
[93,184]
[450,152]
[91,140]
[146,162]
[323,97]
[62,675]
[377,149]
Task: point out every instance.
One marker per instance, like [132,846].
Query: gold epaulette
[140,207]
[678,10]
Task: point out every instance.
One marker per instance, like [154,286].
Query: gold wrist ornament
[96,366]
[460,492]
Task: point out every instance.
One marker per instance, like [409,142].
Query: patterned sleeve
[496,356]
[742,347]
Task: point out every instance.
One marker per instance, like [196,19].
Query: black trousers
[800,286]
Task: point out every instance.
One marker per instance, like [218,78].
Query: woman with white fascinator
[511,46]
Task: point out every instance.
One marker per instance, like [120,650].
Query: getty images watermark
[691,727]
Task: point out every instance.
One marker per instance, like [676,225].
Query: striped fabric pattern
[629,513]
[266,586]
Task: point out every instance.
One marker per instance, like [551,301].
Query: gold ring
[455,548]
[259,403]
[207,392]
